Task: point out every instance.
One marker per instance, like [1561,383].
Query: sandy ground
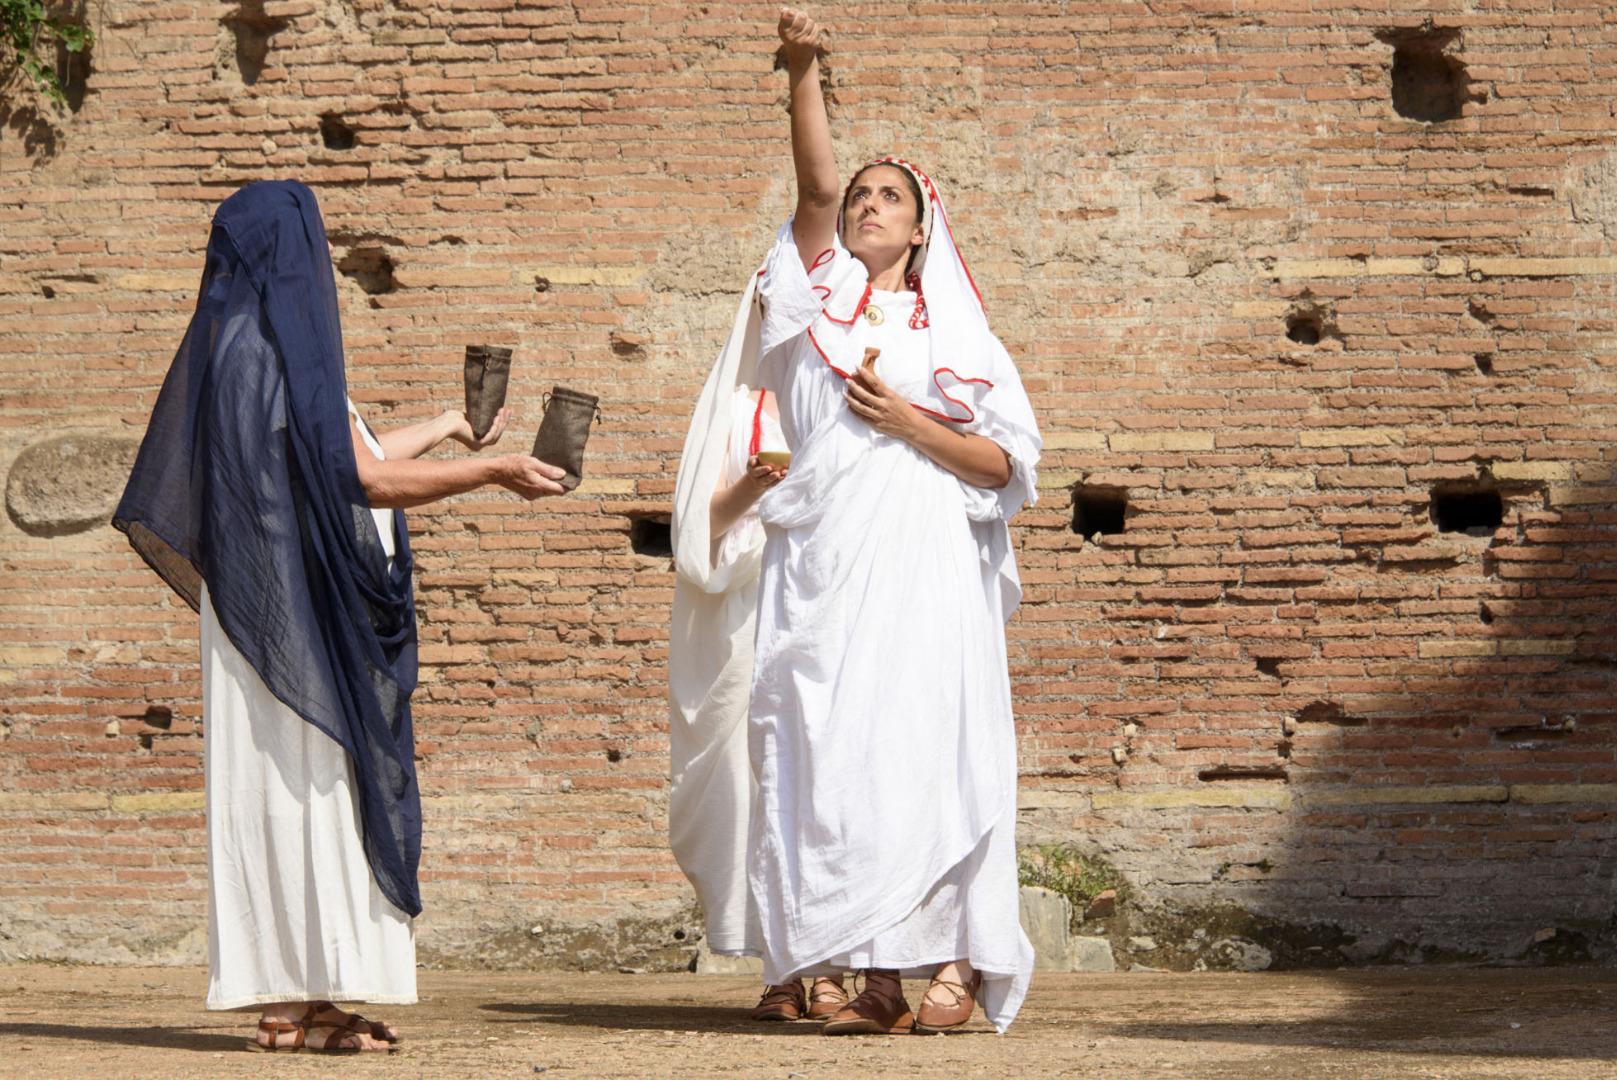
[1470,1022]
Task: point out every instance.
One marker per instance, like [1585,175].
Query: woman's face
[881,220]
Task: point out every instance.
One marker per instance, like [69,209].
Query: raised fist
[799,33]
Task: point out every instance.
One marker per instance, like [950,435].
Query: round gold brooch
[874,315]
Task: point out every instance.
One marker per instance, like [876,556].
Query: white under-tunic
[712,789]
[881,730]
[294,913]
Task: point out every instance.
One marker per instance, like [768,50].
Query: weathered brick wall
[1249,297]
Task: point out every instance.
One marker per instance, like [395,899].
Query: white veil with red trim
[974,384]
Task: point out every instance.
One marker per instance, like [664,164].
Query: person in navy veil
[275,512]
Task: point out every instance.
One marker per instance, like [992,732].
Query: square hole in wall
[1473,510]
[1304,327]
[651,535]
[1098,511]
[1429,82]
[335,134]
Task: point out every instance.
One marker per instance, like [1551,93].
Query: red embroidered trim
[864,299]
[823,356]
[962,258]
[828,253]
[970,413]
[918,319]
[757,426]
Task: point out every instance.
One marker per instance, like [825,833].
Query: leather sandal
[880,1009]
[826,999]
[933,1017]
[376,1029]
[782,1001]
[274,1029]
[355,1027]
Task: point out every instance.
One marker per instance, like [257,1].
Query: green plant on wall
[1064,869]
[34,31]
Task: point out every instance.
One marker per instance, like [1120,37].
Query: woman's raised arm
[815,222]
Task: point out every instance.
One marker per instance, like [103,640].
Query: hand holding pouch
[564,431]
[488,369]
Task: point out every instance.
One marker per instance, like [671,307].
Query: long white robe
[881,733]
[294,913]
[711,793]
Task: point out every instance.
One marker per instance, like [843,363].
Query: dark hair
[909,180]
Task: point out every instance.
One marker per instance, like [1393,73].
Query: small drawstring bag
[488,369]
[564,431]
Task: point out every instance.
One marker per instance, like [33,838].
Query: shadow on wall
[32,128]
[1441,783]
[1457,798]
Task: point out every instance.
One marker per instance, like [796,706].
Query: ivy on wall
[36,34]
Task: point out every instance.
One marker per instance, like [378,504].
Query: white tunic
[881,732]
[712,789]
[294,913]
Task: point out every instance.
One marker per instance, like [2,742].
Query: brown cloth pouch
[488,369]
[564,431]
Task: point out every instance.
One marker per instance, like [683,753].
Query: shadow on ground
[675,1017]
[156,1038]
[1488,1012]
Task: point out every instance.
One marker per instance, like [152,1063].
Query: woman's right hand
[528,476]
[800,34]
[762,477]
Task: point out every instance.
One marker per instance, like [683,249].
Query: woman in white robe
[881,834]
[272,510]
[296,922]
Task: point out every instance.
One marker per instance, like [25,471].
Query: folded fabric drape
[246,480]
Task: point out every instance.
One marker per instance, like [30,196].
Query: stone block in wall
[68,483]
[1090,954]
[709,962]
[1046,919]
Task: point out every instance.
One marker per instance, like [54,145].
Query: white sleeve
[1002,412]
[794,297]
[747,534]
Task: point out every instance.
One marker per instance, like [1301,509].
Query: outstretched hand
[461,429]
[529,477]
[878,404]
[799,33]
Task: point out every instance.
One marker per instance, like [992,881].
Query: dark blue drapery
[246,481]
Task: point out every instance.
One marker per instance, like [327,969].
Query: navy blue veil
[246,481]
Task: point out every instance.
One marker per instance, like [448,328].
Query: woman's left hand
[878,405]
[460,429]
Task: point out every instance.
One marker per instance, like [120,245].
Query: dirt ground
[1448,1022]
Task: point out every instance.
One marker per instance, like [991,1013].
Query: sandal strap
[782,993]
[835,991]
[341,1031]
[298,1029]
[891,997]
[376,1029]
[960,991]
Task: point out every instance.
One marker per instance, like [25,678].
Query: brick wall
[1278,331]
